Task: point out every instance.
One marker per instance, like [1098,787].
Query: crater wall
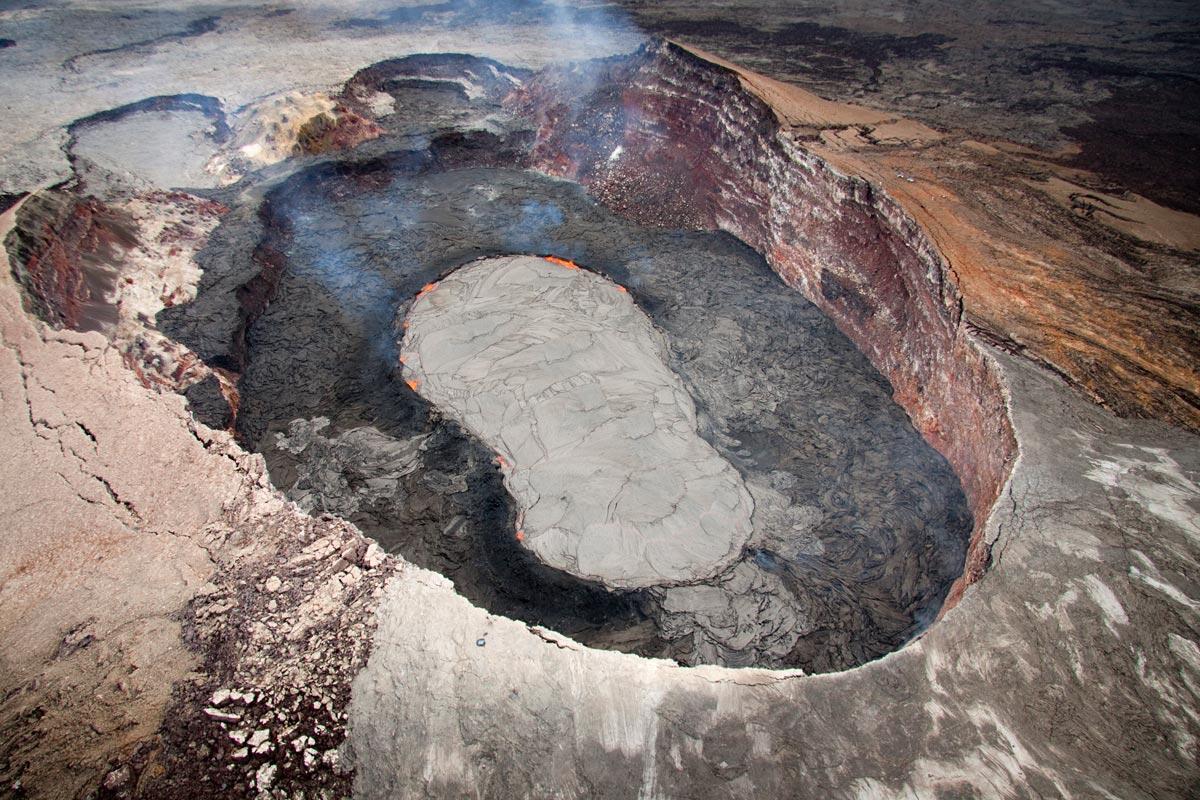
[667,137]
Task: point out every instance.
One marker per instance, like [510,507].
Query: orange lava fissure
[562,262]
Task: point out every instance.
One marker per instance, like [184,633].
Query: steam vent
[607,399]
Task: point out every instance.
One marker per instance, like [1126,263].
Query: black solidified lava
[860,527]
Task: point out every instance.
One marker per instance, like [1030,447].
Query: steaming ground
[858,529]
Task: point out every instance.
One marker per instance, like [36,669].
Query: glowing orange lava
[413,384]
[426,289]
[562,262]
[520,536]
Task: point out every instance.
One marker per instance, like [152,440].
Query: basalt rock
[564,376]
[341,129]
[781,395]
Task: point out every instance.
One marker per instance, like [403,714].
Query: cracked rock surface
[560,372]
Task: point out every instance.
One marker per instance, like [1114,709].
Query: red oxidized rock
[66,252]
[343,129]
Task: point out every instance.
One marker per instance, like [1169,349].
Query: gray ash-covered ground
[860,527]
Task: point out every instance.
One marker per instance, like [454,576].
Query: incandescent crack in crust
[341,245]
[858,528]
[861,258]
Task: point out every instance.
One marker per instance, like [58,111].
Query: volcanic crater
[821,530]
[360,431]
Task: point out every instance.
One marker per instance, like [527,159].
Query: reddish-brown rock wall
[68,250]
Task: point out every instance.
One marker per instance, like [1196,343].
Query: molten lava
[562,262]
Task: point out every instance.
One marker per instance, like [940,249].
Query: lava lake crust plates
[1076,649]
